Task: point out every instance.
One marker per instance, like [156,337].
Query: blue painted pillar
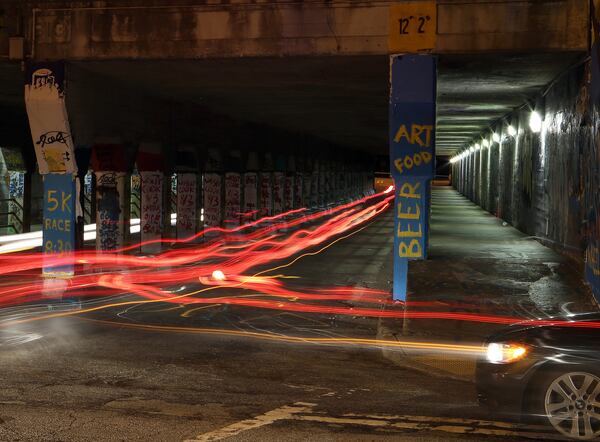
[412,158]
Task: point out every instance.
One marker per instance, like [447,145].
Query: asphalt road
[88,381]
[169,372]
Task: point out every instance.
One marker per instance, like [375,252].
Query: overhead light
[471,149]
[495,137]
[453,160]
[535,122]
[486,143]
[511,130]
[477,146]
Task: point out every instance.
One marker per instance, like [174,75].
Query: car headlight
[504,353]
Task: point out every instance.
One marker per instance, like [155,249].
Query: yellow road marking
[285,412]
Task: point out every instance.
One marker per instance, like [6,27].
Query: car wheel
[571,403]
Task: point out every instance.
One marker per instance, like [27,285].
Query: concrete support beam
[298,28]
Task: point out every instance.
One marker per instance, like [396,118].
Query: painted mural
[278,184]
[250,196]
[109,214]
[266,194]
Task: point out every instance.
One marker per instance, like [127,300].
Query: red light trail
[224,262]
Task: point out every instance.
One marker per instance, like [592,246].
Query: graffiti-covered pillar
[307,182]
[109,166]
[186,168]
[150,163]
[53,143]
[299,182]
[250,183]
[266,186]
[412,158]
[212,188]
[314,187]
[288,185]
[278,184]
[233,189]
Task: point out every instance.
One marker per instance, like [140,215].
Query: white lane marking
[285,412]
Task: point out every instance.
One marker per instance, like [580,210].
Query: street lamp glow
[535,122]
[511,130]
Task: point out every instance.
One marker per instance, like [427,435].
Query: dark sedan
[549,373]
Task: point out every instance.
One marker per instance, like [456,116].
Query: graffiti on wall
[212,199]
[186,204]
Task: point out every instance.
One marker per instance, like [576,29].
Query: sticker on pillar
[186,205]
[278,192]
[58,224]
[266,194]
[413,27]
[109,216]
[48,121]
[233,202]
[288,193]
[212,199]
[250,197]
[151,219]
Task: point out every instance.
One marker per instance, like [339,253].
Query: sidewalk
[478,265]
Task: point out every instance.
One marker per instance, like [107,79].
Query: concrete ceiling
[340,99]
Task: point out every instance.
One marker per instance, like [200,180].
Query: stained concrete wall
[546,184]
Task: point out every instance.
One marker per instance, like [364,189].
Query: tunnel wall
[546,184]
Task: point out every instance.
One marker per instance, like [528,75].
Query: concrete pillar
[212,189]
[412,158]
[314,187]
[112,221]
[110,214]
[251,188]
[233,189]
[154,185]
[278,185]
[186,166]
[187,218]
[288,188]
[53,143]
[266,186]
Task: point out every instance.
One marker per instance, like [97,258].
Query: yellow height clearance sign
[413,27]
